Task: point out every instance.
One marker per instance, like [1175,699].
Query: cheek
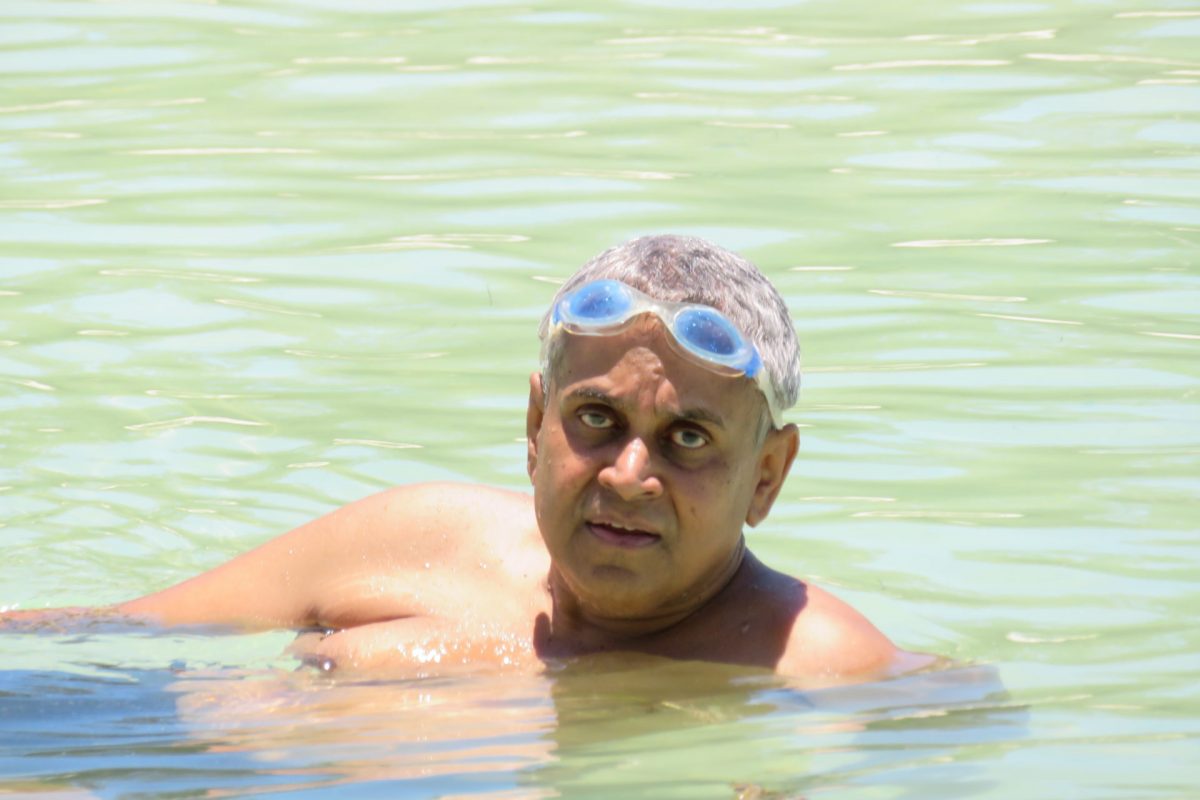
[721,492]
[702,493]
[567,453]
[559,469]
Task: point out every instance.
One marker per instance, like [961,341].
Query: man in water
[654,435]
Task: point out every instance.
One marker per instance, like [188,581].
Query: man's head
[646,463]
[687,269]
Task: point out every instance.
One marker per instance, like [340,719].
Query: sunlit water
[261,259]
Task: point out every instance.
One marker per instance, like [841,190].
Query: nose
[631,473]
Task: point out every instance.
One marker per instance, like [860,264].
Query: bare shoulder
[434,516]
[447,497]
[829,635]
[830,640]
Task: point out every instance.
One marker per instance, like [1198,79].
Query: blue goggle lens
[600,302]
[707,332]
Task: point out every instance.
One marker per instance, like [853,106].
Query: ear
[533,421]
[774,461]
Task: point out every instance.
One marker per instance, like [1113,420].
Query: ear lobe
[534,415]
[774,462]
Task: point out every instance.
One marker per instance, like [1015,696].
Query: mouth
[620,535]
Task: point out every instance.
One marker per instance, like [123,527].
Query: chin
[619,593]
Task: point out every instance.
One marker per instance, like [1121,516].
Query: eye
[595,419]
[688,438]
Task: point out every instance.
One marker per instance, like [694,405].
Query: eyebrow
[687,414]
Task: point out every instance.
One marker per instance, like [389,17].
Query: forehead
[641,365]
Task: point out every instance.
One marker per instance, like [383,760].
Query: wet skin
[645,469]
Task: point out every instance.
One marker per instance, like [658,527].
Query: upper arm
[350,566]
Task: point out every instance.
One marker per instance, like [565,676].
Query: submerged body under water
[596,726]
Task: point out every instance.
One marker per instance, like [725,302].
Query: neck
[575,617]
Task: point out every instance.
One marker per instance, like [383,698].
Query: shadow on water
[599,728]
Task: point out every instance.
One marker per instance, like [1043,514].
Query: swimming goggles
[698,332]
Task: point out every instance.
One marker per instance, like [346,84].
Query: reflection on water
[591,729]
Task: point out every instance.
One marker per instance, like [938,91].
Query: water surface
[258,260]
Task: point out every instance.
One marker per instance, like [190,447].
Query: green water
[258,260]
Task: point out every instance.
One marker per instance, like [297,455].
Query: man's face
[645,467]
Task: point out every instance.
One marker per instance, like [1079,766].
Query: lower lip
[621,538]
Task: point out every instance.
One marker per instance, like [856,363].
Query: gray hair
[687,269]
